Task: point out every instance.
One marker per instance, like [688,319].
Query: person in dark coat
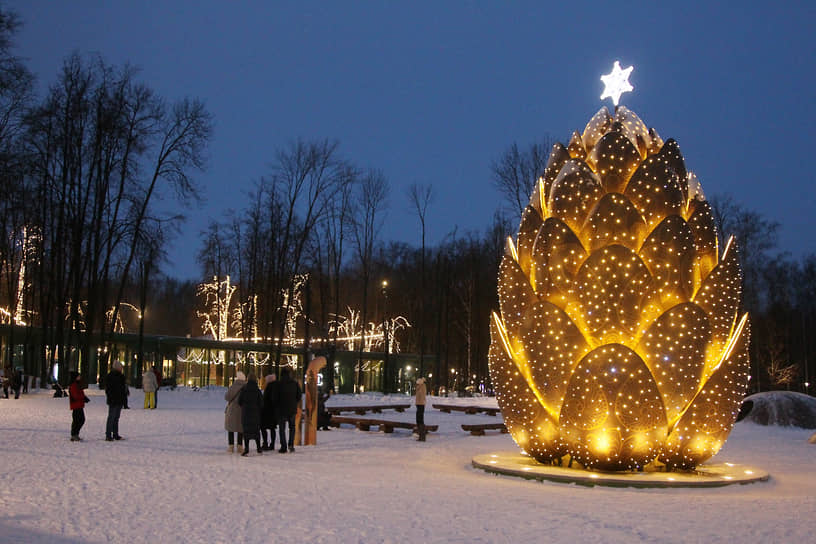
[323,415]
[77,400]
[157,372]
[251,402]
[289,394]
[116,391]
[16,382]
[6,381]
[269,417]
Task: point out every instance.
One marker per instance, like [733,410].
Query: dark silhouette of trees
[104,146]
[15,205]
[420,196]
[83,167]
[516,171]
[371,204]
[778,295]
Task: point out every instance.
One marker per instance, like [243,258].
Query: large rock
[780,408]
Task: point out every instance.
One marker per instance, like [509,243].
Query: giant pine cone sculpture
[619,339]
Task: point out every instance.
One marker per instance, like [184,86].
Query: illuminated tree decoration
[619,341]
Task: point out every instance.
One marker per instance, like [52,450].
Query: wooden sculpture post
[310,434]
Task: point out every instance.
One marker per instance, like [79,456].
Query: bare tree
[371,203]
[148,256]
[756,236]
[217,257]
[329,257]
[420,196]
[253,258]
[516,171]
[103,146]
[780,373]
[183,134]
[15,82]
[306,176]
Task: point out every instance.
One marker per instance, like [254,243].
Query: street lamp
[386,326]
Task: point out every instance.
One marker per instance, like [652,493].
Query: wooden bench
[365,424]
[361,410]
[479,430]
[467,409]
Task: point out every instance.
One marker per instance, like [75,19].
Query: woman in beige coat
[232,414]
[421,391]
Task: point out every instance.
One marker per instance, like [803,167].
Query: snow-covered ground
[172,480]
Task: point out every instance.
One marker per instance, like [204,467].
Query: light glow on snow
[58,491]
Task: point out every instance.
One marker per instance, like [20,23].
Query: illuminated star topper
[616,82]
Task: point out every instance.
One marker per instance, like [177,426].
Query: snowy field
[172,480]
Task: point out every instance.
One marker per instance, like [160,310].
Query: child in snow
[77,400]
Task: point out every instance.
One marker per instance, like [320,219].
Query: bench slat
[365,424]
[446,408]
[479,430]
[361,410]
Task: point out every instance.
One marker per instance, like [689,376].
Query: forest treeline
[82,170]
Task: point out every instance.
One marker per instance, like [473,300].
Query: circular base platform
[521,466]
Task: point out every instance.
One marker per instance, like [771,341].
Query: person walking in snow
[421,391]
[289,394]
[269,417]
[232,413]
[116,391]
[77,400]
[149,386]
[251,402]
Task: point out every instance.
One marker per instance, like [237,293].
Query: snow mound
[780,408]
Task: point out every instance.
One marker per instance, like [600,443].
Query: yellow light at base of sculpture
[619,341]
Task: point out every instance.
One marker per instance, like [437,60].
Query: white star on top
[616,83]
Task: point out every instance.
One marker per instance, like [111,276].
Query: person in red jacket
[77,398]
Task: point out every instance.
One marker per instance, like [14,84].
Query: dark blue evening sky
[431,92]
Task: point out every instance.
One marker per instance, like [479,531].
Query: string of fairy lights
[618,344]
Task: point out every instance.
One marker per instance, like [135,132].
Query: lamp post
[386,378]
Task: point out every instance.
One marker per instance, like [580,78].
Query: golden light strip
[525,372]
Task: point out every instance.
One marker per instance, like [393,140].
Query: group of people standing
[254,415]
[151,381]
[116,394]
[12,379]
